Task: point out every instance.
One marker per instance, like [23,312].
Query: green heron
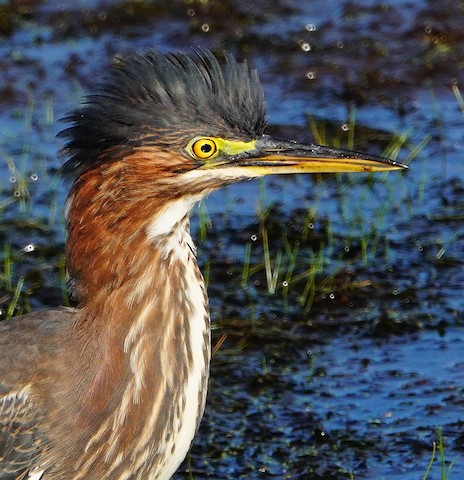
[115,388]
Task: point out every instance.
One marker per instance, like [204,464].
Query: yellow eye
[204,148]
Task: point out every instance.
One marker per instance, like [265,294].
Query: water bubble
[205,27]
[17,193]
[395,292]
[345,127]
[332,296]
[311,75]
[285,283]
[28,248]
[191,12]
[34,177]
[340,44]
[12,179]
[310,226]
[346,248]
[254,238]
[306,47]
[310,27]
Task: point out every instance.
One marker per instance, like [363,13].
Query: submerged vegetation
[440,457]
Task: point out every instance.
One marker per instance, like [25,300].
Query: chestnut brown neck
[142,329]
[109,210]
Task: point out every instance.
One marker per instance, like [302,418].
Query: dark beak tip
[399,165]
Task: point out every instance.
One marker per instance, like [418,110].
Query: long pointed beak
[273,156]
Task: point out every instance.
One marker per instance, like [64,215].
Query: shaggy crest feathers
[155,98]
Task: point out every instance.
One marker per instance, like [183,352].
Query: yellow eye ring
[204,148]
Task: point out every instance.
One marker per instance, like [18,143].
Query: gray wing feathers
[27,347]
[20,441]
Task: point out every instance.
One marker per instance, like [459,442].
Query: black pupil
[206,148]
